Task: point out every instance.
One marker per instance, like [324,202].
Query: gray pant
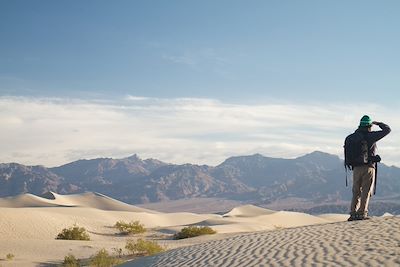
[363,179]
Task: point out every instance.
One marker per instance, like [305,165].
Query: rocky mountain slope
[318,177]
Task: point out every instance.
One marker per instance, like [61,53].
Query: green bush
[134,227]
[73,233]
[143,247]
[10,256]
[103,259]
[70,261]
[192,231]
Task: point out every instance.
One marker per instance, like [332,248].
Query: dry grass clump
[143,247]
[70,261]
[134,227]
[103,259]
[192,231]
[10,256]
[73,233]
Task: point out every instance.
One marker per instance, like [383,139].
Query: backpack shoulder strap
[365,137]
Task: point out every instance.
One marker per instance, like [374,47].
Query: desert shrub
[73,233]
[118,251]
[143,247]
[10,256]
[192,231]
[134,227]
[70,261]
[103,259]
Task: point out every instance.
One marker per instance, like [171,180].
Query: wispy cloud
[179,130]
[202,59]
[136,98]
[184,59]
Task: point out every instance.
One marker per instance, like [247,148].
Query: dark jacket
[374,136]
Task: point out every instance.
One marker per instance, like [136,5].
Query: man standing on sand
[364,173]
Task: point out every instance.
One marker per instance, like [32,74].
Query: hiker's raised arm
[385,130]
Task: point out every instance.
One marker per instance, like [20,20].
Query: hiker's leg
[366,189]
[357,179]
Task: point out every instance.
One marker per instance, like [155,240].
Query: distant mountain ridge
[317,177]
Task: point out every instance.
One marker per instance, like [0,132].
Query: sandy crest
[88,199]
[375,242]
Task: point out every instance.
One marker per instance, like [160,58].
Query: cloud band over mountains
[53,131]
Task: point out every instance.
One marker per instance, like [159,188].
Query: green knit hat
[365,121]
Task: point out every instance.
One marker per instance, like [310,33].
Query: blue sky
[237,55]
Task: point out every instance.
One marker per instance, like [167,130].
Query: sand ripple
[367,243]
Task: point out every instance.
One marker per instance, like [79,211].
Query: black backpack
[357,153]
[356,150]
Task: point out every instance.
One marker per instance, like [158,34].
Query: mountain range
[317,177]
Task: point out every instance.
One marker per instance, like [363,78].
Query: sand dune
[248,211]
[26,200]
[51,199]
[251,218]
[196,205]
[29,225]
[364,243]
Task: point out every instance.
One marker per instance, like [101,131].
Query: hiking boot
[353,217]
[358,217]
[364,216]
